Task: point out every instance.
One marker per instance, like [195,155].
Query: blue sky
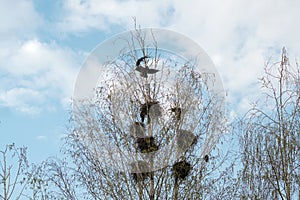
[43,44]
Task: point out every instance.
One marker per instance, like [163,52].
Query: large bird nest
[150,109]
[146,144]
[181,169]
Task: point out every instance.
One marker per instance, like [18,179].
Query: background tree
[270,144]
[14,172]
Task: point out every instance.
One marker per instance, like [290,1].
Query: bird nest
[181,169]
[140,170]
[150,109]
[146,144]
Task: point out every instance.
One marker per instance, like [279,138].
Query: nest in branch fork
[140,170]
[181,169]
[150,109]
[146,144]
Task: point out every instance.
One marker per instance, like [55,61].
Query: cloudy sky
[43,44]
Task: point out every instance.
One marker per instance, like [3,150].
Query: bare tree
[14,172]
[270,143]
[148,133]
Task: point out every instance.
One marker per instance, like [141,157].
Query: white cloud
[35,76]
[240,36]
[18,17]
[93,14]
[22,99]
[35,69]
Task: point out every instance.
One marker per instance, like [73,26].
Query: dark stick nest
[146,144]
[150,108]
[140,170]
[181,169]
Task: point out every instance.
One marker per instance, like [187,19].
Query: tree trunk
[176,188]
